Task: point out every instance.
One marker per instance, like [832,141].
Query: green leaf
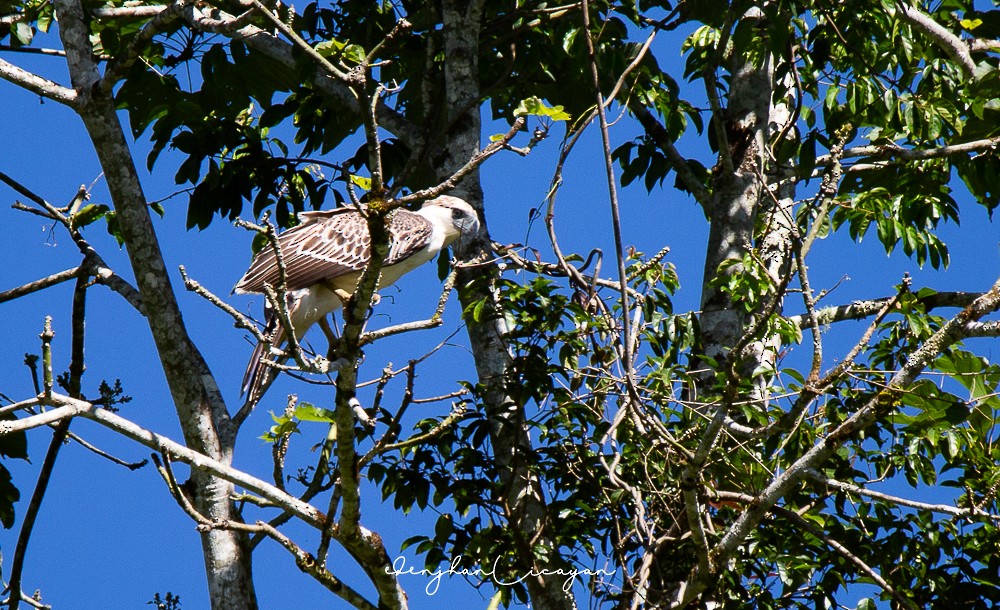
[88,214]
[535,107]
[341,50]
[114,227]
[9,494]
[309,412]
[362,182]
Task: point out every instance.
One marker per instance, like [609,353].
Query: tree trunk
[736,197]
[200,407]
[521,492]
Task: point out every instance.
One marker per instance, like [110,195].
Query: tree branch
[857,490]
[42,284]
[859,310]
[893,151]
[881,404]
[433,322]
[36,84]
[954,46]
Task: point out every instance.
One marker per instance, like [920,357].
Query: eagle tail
[258,376]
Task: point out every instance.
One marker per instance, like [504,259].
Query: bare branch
[36,84]
[893,151]
[42,284]
[70,407]
[859,310]
[857,490]
[32,50]
[418,439]
[241,321]
[470,165]
[434,321]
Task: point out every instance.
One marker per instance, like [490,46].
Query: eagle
[324,258]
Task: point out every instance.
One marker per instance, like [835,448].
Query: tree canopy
[745,438]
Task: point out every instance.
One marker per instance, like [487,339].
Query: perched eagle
[325,256]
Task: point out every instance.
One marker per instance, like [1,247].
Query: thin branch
[119,66]
[476,160]
[33,50]
[42,284]
[419,439]
[859,310]
[55,445]
[555,270]
[92,262]
[433,322]
[844,552]
[31,514]
[70,407]
[678,163]
[240,320]
[857,490]
[893,151]
[313,54]
[272,46]
[827,190]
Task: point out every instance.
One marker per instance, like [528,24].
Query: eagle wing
[331,244]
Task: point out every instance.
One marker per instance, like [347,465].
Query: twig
[297,40]
[33,50]
[434,321]
[41,284]
[241,321]
[827,190]
[418,439]
[476,160]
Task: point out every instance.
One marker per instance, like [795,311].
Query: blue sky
[110,538]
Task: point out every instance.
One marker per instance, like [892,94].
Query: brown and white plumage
[326,254]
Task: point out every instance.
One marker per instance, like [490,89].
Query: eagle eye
[457,213]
